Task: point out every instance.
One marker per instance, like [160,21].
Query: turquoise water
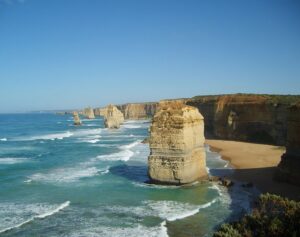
[61,180]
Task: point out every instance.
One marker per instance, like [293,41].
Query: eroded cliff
[289,167]
[252,118]
[177,154]
[138,110]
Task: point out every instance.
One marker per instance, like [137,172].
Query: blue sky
[57,54]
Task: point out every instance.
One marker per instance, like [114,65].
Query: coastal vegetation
[273,216]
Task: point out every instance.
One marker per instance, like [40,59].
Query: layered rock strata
[241,117]
[77,121]
[289,167]
[138,110]
[89,113]
[177,154]
[113,117]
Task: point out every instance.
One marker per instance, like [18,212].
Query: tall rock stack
[113,117]
[77,121]
[89,113]
[289,167]
[177,154]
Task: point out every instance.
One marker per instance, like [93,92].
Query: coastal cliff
[138,110]
[113,117]
[289,167]
[242,117]
[177,154]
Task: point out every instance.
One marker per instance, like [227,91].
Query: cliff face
[252,118]
[177,154]
[138,110]
[76,118]
[113,117]
[89,113]
[289,167]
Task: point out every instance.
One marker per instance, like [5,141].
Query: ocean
[60,180]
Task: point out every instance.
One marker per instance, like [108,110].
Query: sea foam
[14,214]
[12,160]
[129,126]
[136,230]
[65,175]
[172,210]
[131,145]
[3,139]
[122,155]
[52,136]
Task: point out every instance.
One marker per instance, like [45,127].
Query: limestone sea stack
[289,167]
[89,113]
[77,121]
[177,154]
[113,117]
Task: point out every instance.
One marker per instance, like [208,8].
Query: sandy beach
[255,163]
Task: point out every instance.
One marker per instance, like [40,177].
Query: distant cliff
[138,110]
[243,117]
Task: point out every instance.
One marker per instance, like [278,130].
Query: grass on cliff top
[273,99]
[273,216]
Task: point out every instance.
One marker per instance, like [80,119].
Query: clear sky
[57,54]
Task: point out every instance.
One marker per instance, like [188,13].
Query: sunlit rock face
[289,167]
[177,154]
[138,110]
[89,113]
[113,117]
[77,121]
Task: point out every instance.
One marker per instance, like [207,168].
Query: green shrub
[273,216]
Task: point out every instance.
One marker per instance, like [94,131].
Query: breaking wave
[12,160]
[65,175]
[122,155]
[131,145]
[38,209]
[172,210]
[52,136]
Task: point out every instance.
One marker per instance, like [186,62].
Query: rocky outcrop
[241,117]
[97,112]
[138,110]
[77,121]
[289,167]
[113,117]
[177,154]
[89,113]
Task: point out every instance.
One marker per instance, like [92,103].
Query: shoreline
[256,164]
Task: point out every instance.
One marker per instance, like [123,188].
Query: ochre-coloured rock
[89,113]
[113,117]
[177,154]
[76,118]
[138,110]
[289,167]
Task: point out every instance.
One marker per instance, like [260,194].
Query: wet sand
[256,164]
